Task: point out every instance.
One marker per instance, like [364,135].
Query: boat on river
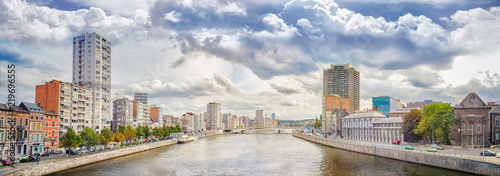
[186,139]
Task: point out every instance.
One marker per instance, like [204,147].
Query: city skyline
[258,55]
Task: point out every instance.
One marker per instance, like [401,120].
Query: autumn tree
[410,123]
[106,136]
[129,133]
[119,138]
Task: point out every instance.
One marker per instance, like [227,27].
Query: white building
[372,126]
[92,68]
[227,120]
[213,116]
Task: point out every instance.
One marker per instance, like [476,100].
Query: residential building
[495,122]
[227,120]
[259,119]
[386,104]
[36,127]
[198,122]
[190,121]
[72,102]
[92,69]
[342,80]
[146,114]
[156,113]
[358,126]
[473,116]
[420,104]
[123,113]
[51,128]
[213,116]
[9,119]
[138,114]
[141,97]
[333,103]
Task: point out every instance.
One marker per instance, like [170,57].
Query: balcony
[20,139]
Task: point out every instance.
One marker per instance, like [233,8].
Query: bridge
[242,130]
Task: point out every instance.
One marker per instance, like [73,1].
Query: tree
[166,131]
[317,123]
[129,133]
[158,132]
[146,131]
[139,131]
[121,129]
[106,136]
[437,119]
[410,123]
[89,137]
[70,140]
[119,138]
[178,129]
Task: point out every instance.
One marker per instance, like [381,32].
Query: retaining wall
[55,166]
[454,163]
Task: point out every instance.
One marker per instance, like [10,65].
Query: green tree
[107,136]
[119,138]
[177,129]
[166,131]
[129,133]
[317,124]
[437,119]
[121,129]
[410,123]
[70,140]
[158,132]
[89,137]
[139,131]
[147,131]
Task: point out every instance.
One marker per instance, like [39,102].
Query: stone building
[473,122]
[387,129]
[358,126]
[495,123]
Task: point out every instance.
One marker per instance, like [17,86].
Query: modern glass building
[385,104]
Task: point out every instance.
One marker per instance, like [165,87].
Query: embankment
[448,162]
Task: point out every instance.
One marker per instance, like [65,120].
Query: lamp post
[483,136]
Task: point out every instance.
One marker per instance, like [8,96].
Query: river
[258,153]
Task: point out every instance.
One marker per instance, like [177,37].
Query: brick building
[473,123]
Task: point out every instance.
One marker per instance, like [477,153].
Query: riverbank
[490,165]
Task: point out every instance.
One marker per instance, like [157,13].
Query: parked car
[34,157]
[46,154]
[409,147]
[57,152]
[431,149]
[436,146]
[487,153]
[396,142]
[16,161]
[6,162]
[1,164]
[23,157]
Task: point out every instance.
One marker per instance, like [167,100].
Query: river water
[259,153]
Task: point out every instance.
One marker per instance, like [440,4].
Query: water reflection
[253,153]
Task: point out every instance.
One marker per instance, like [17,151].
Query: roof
[472,100]
[365,114]
[496,110]
[16,108]
[389,120]
[32,107]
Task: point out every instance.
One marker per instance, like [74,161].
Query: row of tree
[88,137]
[433,122]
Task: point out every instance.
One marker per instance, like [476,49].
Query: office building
[141,97]
[92,69]
[386,104]
[73,104]
[342,80]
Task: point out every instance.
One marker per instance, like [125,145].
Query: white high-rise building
[92,69]
[213,116]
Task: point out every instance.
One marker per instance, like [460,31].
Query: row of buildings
[478,123]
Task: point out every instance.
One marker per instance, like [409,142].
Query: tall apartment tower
[92,69]
[259,118]
[342,80]
[157,114]
[141,97]
[73,103]
[123,113]
[213,116]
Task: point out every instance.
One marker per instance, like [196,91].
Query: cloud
[173,16]
[284,89]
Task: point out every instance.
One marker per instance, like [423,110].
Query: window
[53,124]
[36,117]
[1,121]
[31,117]
[36,126]
[26,122]
[20,121]
[497,121]
[478,140]
[41,126]
[31,137]
[1,136]
[31,126]
[478,127]
[41,118]
[15,121]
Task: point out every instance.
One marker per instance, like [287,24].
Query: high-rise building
[259,118]
[342,80]
[273,116]
[333,103]
[141,97]
[138,114]
[157,114]
[92,69]
[213,116]
[73,103]
[123,113]
[227,120]
[146,114]
[190,119]
[386,104]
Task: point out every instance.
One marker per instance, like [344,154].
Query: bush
[25,160]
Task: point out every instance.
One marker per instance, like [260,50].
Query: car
[57,152]
[396,142]
[46,154]
[436,146]
[487,153]
[16,161]
[23,157]
[431,149]
[34,157]
[409,147]
[1,164]
[6,162]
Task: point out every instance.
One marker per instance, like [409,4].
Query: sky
[268,55]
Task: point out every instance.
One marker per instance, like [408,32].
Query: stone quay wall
[448,162]
[60,165]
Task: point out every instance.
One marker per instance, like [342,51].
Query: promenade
[454,159]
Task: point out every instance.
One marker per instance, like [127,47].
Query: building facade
[35,129]
[92,69]
[385,104]
[157,114]
[213,116]
[51,128]
[495,123]
[387,130]
[123,113]
[359,126]
[343,80]
[259,118]
[473,126]
[10,119]
[420,104]
[141,97]
[71,102]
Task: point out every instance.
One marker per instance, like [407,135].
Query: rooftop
[365,114]
[389,120]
